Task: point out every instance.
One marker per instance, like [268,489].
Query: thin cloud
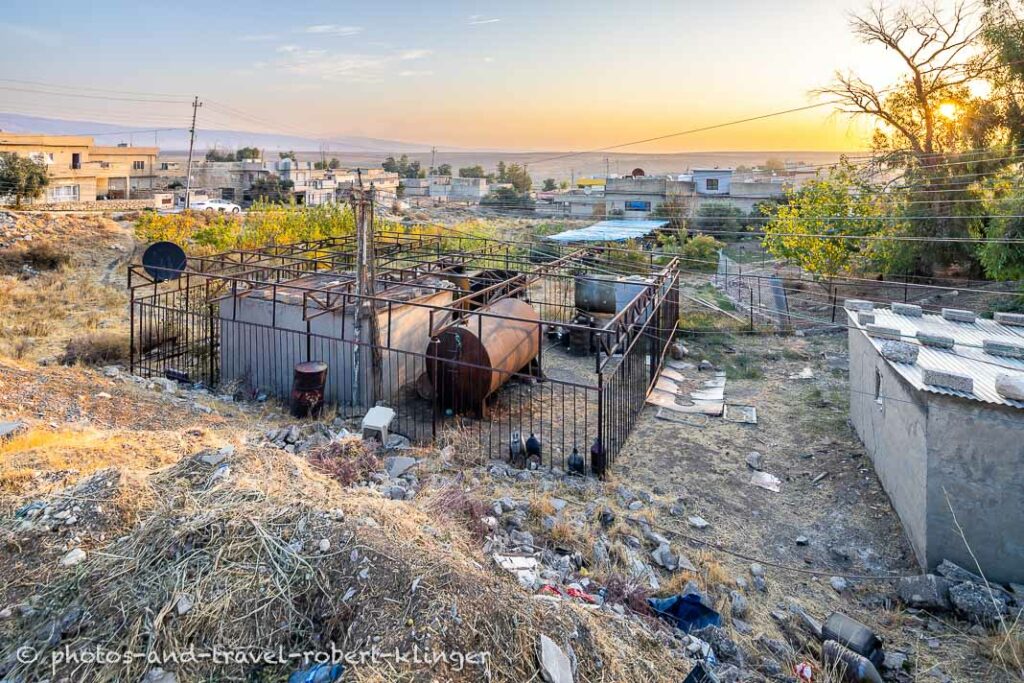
[328,65]
[477,20]
[409,73]
[333,30]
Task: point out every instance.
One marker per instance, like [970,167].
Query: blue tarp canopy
[610,231]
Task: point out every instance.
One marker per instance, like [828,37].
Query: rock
[214,458]
[956,573]
[183,605]
[894,661]
[977,603]
[159,675]
[706,365]
[522,538]
[292,435]
[665,558]
[900,352]
[838,584]
[111,371]
[925,592]
[601,557]
[740,607]
[755,460]
[742,627]
[555,666]
[73,557]
[397,465]
[726,649]
[802,540]
[324,545]
[635,505]
[6,613]
[698,522]
[778,648]
[756,570]
[396,492]
[770,667]
[559,504]
[677,510]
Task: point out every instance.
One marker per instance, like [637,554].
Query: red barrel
[308,388]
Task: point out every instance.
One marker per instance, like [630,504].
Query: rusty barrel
[308,388]
[468,362]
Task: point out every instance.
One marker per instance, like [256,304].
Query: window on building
[638,206]
[63,193]
[138,165]
[76,160]
[711,184]
[164,166]
[878,387]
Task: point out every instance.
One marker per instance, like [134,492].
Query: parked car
[222,205]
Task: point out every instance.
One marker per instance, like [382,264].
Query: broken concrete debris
[766,481]
[1010,386]
[927,591]
[555,666]
[900,352]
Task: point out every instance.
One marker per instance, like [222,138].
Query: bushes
[36,255]
[95,348]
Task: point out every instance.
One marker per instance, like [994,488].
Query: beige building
[81,171]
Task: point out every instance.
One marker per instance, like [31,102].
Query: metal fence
[762,297]
[190,328]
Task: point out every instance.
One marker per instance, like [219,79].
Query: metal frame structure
[177,329]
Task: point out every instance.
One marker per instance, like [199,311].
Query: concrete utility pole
[191,144]
[433,151]
[366,366]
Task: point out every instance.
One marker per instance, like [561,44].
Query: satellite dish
[164,261]
[638,173]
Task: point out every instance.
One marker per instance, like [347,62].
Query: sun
[948,110]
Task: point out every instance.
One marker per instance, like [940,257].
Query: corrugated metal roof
[965,358]
[610,231]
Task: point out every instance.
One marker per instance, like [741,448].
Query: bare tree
[942,53]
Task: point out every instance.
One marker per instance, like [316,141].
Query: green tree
[840,204]
[288,155]
[507,197]
[550,185]
[774,165]
[1003,25]
[22,178]
[248,153]
[718,217]
[272,190]
[220,155]
[518,176]
[444,169]
[676,210]
[472,172]
[334,164]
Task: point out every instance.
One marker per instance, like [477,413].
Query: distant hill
[176,139]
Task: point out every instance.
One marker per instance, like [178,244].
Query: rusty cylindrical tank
[308,388]
[468,362]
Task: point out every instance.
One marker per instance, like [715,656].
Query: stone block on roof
[865,318]
[909,310]
[882,332]
[900,352]
[959,315]
[948,380]
[1015,319]
[937,341]
[998,347]
[858,305]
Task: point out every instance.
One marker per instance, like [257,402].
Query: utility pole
[607,170]
[191,144]
[433,151]
[366,367]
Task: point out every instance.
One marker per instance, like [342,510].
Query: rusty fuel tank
[468,362]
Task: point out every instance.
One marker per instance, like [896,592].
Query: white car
[222,205]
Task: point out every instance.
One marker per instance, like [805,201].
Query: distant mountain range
[174,139]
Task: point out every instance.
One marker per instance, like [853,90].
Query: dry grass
[38,255]
[96,348]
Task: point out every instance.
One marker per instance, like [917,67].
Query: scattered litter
[739,413]
[804,672]
[686,612]
[700,674]
[568,592]
[523,566]
[766,481]
[819,477]
[318,673]
[806,373]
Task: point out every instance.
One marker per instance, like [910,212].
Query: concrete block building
[929,398]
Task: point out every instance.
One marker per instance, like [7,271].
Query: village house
[81,171]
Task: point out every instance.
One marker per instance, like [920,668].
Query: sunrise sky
[523,75]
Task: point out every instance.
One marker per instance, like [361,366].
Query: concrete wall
[925,446]
[976,456]
[893,429]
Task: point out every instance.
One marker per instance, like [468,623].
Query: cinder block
[948,380]
[1010,386]
[900,352]
[959,315]
[998,347]
[1015,319]
[936,341]
[865,318]
[880,332]
[909,310]
[858,305]
[376,423]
